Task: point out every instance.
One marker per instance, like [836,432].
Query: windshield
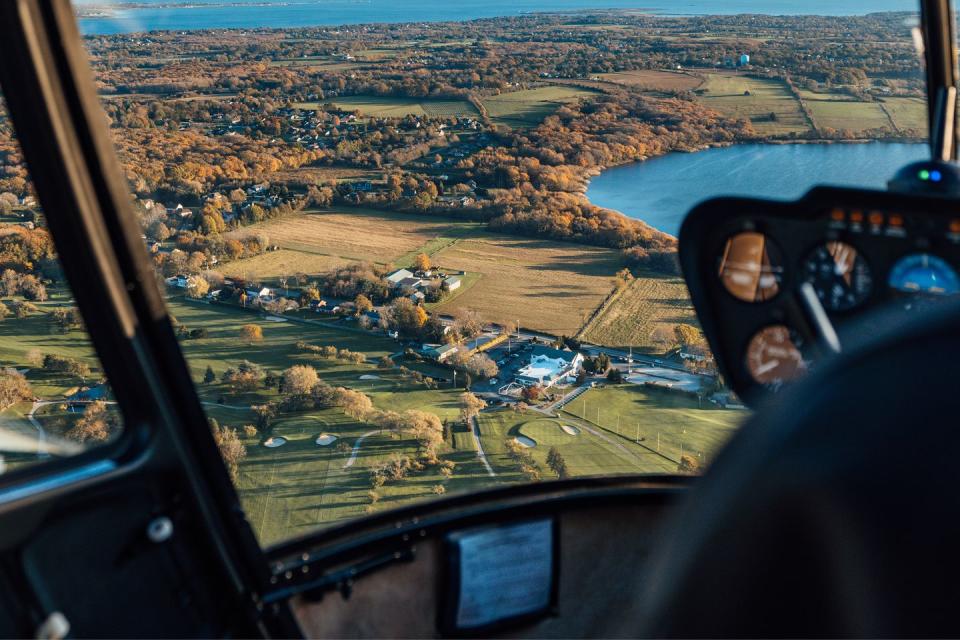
[420,248]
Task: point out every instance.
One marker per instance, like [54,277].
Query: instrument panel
[746,261]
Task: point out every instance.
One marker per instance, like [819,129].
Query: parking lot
[668,378]
[508,362]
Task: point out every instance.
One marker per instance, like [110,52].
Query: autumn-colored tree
[467,323]
[94,425]
[532,393]
[556,463]
[407,317]
[14,388]
[422,262]
[251,333]
[425,427]
[265,413]
[481,365]
[686,334]
[244,377]
[363,304]
[689,465]
[299,380]
[197,287]
[470,406]
[232,450]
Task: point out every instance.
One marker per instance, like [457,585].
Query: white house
[440,352]
[548,366]
[180,282]
[452,282]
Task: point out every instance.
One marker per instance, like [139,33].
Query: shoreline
[592,173]
[99,13]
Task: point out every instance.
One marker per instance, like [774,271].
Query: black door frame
[50,96]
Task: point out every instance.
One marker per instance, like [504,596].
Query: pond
[661,191]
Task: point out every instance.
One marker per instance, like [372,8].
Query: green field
[668,422]
[297,487]
[908,113]
[301,486]
[586,454]
[754,99]
[20,336]
[834,111]
[528,108]
[596,445]
[387,107]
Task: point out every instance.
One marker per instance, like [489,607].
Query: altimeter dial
[839,274]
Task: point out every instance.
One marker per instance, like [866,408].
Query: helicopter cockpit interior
[834,317]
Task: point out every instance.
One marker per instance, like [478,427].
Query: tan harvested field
[649,302]
[285,262]
[654,80]
[319,175]
[359,234]
[547,286]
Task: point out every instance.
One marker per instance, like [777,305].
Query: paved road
[61,447]
[475,430]
[356,447]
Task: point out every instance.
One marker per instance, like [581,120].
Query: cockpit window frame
[53,105]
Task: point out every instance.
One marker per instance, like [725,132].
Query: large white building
[548,366]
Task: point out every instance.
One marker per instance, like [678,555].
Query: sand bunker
[526,442]
[276,319]
[369,376]
[325,439]
[573,431]
[273,443]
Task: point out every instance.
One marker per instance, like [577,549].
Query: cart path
[475,430]
[356,447]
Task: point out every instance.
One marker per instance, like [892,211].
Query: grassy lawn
[277,351]
[727,93]
[908,113]
[528,108]
[467,280]
[588,450]
[654,80]
[668,422]
[301,486]
[649,302]
[389,107]
[830,112]
[38,333]
[549,286]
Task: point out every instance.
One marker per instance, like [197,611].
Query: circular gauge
[839,275]
[751,267]
[773,356]
[925,274]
